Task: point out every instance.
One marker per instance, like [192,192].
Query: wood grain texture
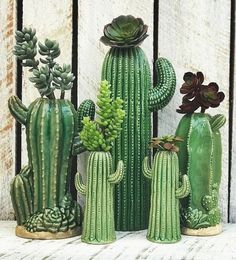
[7,123]
[233,162]
[93,15]
[128,246]
[194,36]
[53,20]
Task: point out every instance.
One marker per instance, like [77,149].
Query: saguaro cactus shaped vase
[40,194]
[127,69]
[98,136]
[200,155]
[166,190]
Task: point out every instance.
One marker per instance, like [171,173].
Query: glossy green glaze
[164,220]
[98,225]
[40,192]
[128,71]
[200,158]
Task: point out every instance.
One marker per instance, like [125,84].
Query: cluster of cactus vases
[181,187]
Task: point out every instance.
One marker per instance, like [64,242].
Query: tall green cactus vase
[98,137]
[166,190]
[40,195]
[127,69]
[200,156]
[99,223]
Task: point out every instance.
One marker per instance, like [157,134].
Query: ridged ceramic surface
[128,72]
[98,225]
[200,158]
[164,219]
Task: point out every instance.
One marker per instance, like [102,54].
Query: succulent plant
[127,69]
[125,31]
[50,75]
[100,134]
[198,95]
[166,143]
[200,152]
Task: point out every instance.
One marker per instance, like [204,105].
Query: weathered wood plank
[128,246]
[93,15]
[194,36]
[7,88]
[233,162]
[53,20]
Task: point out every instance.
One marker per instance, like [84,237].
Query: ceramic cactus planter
[98,137]
[40,194]
[127,69]
[166,190]
[200,156]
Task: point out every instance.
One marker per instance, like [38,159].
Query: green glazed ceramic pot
[166,190]
[200,158]
[40,194]
[98,225]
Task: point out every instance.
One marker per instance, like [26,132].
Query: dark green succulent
[50,75]
[124,31]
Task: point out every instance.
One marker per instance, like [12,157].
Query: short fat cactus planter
[127,69]
[200,155]
[98,137]
[166,190]
[40,195]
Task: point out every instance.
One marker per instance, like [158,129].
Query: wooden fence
[194,35]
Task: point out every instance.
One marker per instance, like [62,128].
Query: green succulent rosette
[124,31]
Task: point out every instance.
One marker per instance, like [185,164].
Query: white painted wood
[7,88]
[128,246]
[53,20]
[233,163]
[194,36]
[93,15]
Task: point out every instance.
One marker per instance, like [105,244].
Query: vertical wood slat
[7,88]
[194,36]
[232,111]
[53,20]
[92,17]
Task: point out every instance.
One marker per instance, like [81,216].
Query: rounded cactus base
[210,231]
[22,232]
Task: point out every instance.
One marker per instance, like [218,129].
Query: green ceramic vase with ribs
[40,194]
[200,155]
[127,69]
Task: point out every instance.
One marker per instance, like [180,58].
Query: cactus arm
[117,176]
[18,109]
[86,109]
[217,122]
[184,189]
[80,187]
[161,95]
[147,171]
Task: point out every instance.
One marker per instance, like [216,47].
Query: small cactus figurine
[40,194]
[166,190]
[200,155]
[127,69]
[98,137]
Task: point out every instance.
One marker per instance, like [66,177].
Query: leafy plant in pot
[40,195]
[200,155]
[98,137]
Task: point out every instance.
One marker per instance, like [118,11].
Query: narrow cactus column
[127,69]
[164,219]
[98,225]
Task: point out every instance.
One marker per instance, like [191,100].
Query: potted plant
[166,190]
[40,194]
[98,137]
[127,69]
[200,155]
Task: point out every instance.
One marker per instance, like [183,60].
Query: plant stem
[203,110]
[51,96]
[62,94]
